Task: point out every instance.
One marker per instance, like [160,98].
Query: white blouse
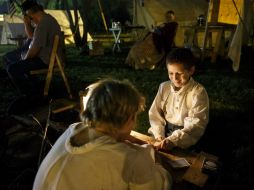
[188,108]
[101,163]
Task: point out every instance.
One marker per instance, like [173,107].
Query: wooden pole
[102,15]
[134,20]
[206,29]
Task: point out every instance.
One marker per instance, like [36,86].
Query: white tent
[62,18]
[11,27]
[238,13]
[150,13]
[242,33]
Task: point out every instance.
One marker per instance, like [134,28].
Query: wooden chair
[52,69]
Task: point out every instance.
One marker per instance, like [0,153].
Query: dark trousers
[170,128]
[18,69]
[19,73]
[16,55]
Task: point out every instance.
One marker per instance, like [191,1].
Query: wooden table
[190,177]
[217,45]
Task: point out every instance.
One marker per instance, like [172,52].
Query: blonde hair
[112,102]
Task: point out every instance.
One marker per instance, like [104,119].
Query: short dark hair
[170,12]
[31,5]
[182,56]
[113,102]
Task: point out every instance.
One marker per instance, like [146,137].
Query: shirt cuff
[155,133]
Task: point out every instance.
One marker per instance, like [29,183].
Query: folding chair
[52,69]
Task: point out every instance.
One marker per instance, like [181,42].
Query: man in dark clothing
[41,28]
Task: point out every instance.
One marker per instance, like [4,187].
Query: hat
[28,4]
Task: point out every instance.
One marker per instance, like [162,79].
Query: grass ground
[229,133]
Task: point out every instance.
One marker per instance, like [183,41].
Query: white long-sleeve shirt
[101,163]
[188,107]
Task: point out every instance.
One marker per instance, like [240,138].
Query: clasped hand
[162,143]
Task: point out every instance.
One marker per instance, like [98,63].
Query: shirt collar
[95,140]
[183,89]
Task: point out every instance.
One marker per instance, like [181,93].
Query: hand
[160,138]
[27,20]
[164,144]
[23,56]
[167,144]
[157,145]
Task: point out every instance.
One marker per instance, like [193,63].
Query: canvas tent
[240,14]
[10,27]
[150,13]
[62,18]
[243,32]
[13,26]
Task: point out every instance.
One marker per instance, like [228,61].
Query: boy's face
[178,75]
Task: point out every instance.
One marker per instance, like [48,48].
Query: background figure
[170,16]
[93,154]
[163,35]
[41,28]
[180,111]
[151,51]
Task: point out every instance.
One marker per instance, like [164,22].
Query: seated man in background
[180,111]
[151,51]
[40,48]
[94,154]
[164,34]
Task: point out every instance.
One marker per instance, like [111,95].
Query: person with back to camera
[38,54]
[180,111]
[94,154]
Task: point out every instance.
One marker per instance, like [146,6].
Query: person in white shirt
[180,111]
[94,154]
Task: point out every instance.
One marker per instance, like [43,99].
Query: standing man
[41,28]
[180,111]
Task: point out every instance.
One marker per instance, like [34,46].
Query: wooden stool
[53,68]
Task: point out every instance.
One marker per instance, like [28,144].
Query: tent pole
[102,15]
[134,19]
[206,29]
